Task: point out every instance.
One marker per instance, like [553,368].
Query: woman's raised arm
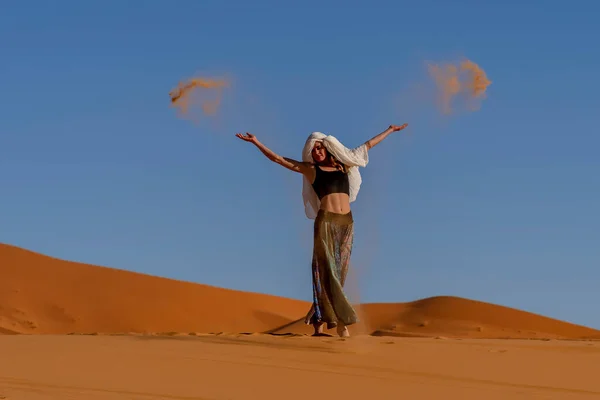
[376,139]
[293,165]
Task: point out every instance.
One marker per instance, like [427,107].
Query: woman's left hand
[395,128]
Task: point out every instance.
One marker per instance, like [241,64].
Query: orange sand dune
[456,317]
[40,294]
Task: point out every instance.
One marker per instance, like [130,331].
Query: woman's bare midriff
[336,202]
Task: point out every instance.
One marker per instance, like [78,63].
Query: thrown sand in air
[466,81]
[193,91]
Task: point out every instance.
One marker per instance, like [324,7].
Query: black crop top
[327,182]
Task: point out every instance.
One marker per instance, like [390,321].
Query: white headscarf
[353,158]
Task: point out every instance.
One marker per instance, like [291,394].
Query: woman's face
[319,152]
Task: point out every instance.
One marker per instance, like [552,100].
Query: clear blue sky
[499,205]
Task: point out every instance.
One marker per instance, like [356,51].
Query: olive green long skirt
[333,240]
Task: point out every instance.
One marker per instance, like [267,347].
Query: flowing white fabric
[353,158]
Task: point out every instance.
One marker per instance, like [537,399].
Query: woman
[331,181]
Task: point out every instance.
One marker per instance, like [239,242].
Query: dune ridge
[40,294]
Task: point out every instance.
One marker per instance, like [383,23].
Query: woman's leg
[318,328]
[333,237]
[342,330]
[345,252]
[313,316]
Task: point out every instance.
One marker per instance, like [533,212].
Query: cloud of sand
[198,91]
[457,84]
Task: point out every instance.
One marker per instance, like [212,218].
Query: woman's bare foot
[318,329]
[342,330]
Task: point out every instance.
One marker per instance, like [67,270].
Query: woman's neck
[326,164]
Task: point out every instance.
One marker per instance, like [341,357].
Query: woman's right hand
[248,137]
